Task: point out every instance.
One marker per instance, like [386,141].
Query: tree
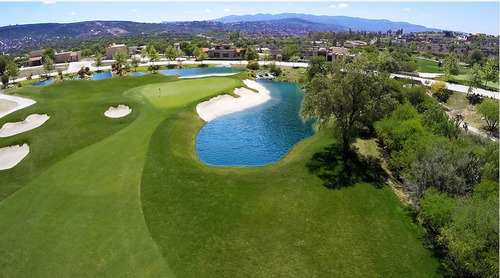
[489,71]
[316,66]
[342,95]
[294,59]
[473,78]
[251,54]
[200,55]
[489,109]
[4,60]
[388,63]
[120,61]
[440,91]
[450,65]
[413,47]
[98,60]
[289,51]
[11,70]
[171,54]
[475,57]
[267,56]
[153,55]
[49,52]
[135,62]
[48,65]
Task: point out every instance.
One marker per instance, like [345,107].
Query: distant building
[135,50]
[354,44]
[224,51]
[112,49]
[177,46]
[67,57]
[36,58]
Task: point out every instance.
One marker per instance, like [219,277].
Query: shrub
[253,65]
[440,91]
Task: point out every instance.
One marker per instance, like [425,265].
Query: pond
[43,83]
[138,73]
[259,135]
[200,71]
[102,75]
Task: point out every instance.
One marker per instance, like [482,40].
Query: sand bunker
[11,156]
[19,103]
[118,112]
[31,122]
[226,104]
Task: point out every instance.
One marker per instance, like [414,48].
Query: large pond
[199,71]
[43,83]
[102,75]
[259,135]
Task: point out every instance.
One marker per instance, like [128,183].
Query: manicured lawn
[428,66]
[461,78]
[100,197]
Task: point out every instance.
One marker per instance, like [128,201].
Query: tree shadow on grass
[339,171]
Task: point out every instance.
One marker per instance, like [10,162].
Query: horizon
[467,17]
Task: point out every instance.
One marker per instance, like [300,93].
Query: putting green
[128,198]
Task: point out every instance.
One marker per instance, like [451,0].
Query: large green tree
[11,70]
[473,78]
[49,52]
[289,51]
[171,54]
[489,109]
[489,71]
[48,65]
[342,95]
[450,65]
[98,60]
[251,54]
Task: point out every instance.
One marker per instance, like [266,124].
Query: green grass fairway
[428,66]
[100,197]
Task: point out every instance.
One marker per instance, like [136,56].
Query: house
[177,46]
[354,44]
[36,58]
[136,50]
[113,48]
[67,57]
[224,51]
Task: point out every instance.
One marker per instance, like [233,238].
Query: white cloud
[48,2]
[134,10]
[340,6]
[207,10]
[72,13]
[407,10]
[226,10]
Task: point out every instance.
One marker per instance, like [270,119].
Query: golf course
[128,197]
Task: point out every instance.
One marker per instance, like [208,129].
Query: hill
[341,22]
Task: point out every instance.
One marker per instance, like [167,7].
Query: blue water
[43,83]
[138,73]
[259,135]
[102,75]
[199,71]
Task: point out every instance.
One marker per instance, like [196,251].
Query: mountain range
[334,22]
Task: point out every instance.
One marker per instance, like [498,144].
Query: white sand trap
[31,122]
[11,156]
[118,112]
[20,103]
[6,105]
[226,104]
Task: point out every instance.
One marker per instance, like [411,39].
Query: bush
[253,65]
[440,91]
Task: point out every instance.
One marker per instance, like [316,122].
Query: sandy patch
[226,104]
[6,105]
[31,122]
[11,156]
[118,112]
[20,103]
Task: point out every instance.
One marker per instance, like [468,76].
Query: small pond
[199,71]
[102,75]
[43,83]
[138,73]
[259,135]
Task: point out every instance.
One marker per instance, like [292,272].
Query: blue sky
[470,17]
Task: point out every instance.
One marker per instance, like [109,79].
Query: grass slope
[128,197]
[273,221]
